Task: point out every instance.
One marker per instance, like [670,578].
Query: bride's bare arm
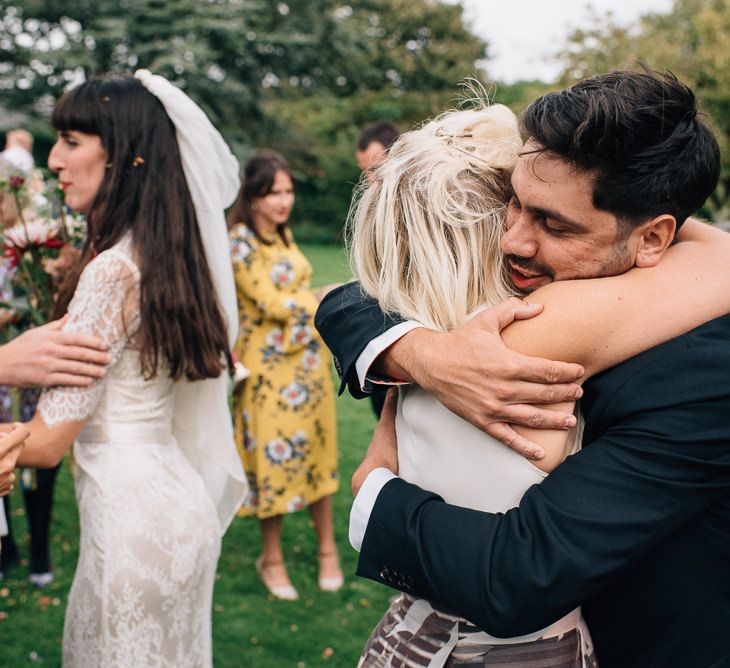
[104,306]
[45,446]
[600,322]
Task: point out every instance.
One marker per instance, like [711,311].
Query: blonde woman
[425,242]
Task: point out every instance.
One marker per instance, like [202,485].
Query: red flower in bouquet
[16,183]
[29,236]
[37,250]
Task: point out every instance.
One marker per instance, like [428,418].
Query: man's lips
[524,281]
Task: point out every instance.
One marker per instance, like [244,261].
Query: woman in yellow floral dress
[284,413]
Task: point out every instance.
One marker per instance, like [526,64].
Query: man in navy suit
[636,526]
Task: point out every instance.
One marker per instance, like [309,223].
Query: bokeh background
[304,76]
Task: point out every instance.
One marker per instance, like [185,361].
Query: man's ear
[654,239]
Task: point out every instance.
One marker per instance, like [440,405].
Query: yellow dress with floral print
[285,412]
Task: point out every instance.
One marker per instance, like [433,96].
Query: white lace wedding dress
[150,534]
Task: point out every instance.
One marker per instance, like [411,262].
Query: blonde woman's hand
[11,445]
[383,450]
[475,375]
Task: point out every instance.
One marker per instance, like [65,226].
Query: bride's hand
[11,444]
[383,450]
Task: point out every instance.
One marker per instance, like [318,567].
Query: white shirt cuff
[364,503]
[378,345]
[4,523]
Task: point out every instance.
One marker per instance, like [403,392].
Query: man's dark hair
[383,133]
[640,134]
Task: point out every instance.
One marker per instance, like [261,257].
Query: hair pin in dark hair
[138,160]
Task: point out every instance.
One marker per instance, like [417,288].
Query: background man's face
[373,155]
[553,230]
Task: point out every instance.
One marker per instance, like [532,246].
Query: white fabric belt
[126,433]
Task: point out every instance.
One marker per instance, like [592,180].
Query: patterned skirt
[413,634]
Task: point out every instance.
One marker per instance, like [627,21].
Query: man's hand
[46,356]
[475,375]
[383,450]
[11,444]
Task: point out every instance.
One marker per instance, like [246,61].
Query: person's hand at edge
[48,356]
[11,445]
[383,450]
[475,375]
[321,293]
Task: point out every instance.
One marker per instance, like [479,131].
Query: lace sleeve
[105,304]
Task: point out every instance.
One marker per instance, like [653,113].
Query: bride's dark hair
[144,192]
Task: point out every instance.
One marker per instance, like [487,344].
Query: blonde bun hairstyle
[424,235]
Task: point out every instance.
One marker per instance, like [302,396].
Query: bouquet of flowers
[38,247]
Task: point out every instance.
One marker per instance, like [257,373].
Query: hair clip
[441,133]
[108,165]
[139,160]
[105,98]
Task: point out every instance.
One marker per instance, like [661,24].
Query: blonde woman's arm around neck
[601,322]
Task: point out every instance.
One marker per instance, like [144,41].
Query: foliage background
[304,76]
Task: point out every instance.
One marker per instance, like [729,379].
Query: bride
[425,235]
[158,478]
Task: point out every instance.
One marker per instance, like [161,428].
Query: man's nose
[519,238]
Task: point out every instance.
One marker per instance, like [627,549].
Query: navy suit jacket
[635,526]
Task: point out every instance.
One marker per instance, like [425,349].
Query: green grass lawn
[250,628]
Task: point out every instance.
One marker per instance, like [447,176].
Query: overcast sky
[522,34]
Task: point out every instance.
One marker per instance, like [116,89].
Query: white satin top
[441,452]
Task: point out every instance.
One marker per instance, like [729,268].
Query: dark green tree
[299,75]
